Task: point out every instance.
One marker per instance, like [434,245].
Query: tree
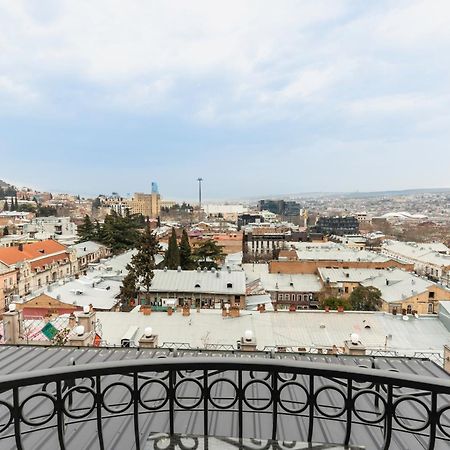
[86,230]
[208,253]
[16,204]
[96,203]
[5,231]
[186,261]
[6,206]
[172,257]
[334,303]
[129,289]
[365,299]
[143,262]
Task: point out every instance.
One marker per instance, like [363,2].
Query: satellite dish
[248,335]
[148,332]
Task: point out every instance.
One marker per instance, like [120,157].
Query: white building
[429,259]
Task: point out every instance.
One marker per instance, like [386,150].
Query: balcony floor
[162,441]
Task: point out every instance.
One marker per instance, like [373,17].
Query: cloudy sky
[256,97]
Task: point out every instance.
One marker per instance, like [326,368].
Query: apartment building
[148,205]
[429,259]
[38,264]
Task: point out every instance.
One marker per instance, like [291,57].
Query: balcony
[133,404]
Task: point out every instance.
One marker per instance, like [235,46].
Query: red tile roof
[12,255]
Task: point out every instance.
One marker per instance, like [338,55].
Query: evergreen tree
[86,230]
[16,204]
[143,262]
[172,258]
[6,206]
[186,261]
[129,289]
[365,299]
[208,253]
[5,231]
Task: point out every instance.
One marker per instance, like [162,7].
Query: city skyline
[287,98]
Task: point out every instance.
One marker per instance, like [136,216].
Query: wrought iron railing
[268,399]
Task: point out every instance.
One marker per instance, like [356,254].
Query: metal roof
[207,282]
[118,431]
[297,329]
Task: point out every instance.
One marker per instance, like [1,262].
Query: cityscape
[211,242]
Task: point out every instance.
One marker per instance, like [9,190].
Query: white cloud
[233,61]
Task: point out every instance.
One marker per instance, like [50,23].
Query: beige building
[149,205]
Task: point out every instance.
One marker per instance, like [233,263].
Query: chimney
[11,325]
[81,338]
[248,342]
[353,346]
[87,319]
[148,340]
[447,358]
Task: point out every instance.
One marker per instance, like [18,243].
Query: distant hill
[4,184]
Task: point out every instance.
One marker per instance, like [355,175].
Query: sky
[257,97]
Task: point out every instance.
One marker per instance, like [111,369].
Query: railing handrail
[328,370]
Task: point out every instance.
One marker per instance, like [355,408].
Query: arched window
[229,285]
[409,309]
[430,308]
[197,285]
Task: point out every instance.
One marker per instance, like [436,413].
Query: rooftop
[201,281]
[294,329]
[13,255]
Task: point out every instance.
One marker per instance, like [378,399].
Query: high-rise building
[149,205]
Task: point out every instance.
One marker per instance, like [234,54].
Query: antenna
[200,179]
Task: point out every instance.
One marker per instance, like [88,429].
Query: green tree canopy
[365,299]
[208,253]
[334,303]
[129,289]
[143,262]
[172,257]
[86,231]
[5,231]
[186,261]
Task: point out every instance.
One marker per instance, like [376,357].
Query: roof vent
[199,269]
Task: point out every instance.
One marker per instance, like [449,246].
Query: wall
[419,302]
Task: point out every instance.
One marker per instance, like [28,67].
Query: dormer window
[197,285]
[229,285]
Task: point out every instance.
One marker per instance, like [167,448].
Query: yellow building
[149,205]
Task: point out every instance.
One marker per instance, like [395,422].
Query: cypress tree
[172,259]
[186,262]
[5,206]
[16,204]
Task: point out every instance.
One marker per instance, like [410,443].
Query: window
[293,297]
[280,296]
[430,308]
[346,289]
[197,285]
[286,296]
[229,285]
[430,294]
[409,309]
